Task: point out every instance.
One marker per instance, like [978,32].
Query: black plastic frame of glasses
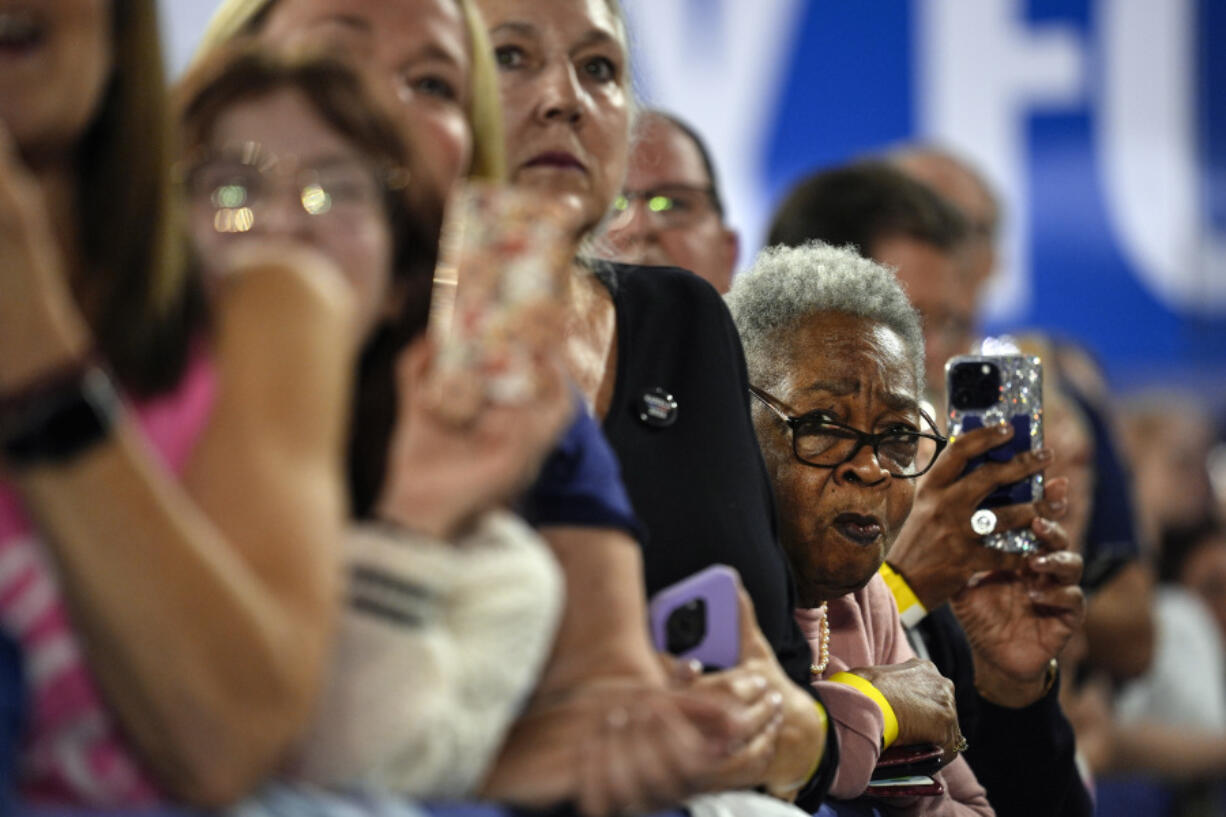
[862,438]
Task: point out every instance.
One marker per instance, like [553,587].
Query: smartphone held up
[497,300]
[986,390]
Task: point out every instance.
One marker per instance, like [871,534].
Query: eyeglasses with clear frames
[671,205]
[240,183]
[822,442]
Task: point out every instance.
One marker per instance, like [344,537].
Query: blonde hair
[244,18]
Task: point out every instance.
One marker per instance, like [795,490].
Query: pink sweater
[865,631]
[74,752]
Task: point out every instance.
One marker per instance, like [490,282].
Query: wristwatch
[60,420]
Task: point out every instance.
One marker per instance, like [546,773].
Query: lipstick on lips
[559,159]
[859,528]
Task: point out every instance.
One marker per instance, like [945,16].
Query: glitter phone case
[985,390]
[497,295]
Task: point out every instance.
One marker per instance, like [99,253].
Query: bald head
[959,183]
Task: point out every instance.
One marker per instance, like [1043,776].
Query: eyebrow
[350,21]
[431,52]
[842,388]
[592,37]
[596,36]
[514,27]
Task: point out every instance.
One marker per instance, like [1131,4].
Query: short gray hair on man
[787,285]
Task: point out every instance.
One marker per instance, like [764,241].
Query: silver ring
[983,522]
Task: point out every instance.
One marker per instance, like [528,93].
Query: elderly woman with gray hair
[836,361]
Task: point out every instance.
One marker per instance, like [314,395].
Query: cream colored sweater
[439,645]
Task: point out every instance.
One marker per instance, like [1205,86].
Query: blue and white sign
[1101,124]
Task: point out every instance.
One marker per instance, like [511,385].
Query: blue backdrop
[1101,123]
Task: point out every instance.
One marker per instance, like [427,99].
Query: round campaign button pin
[657,408]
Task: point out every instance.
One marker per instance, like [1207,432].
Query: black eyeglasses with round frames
[824,443]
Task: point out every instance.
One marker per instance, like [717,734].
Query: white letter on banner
[1148,148]
[719,71]
[983,69]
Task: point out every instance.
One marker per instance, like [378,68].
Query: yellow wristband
[821,713]
[890,733]
[910,609]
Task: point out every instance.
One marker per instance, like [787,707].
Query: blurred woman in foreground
[169,515]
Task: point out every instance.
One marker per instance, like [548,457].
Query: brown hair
[144,305]
[342,99]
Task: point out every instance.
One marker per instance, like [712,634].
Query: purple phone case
[717,586]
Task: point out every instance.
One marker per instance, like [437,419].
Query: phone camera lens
[974,385]
[686,626]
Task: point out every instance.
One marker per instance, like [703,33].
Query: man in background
[670,212]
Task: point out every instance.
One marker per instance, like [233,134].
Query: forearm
[209,669]
[859,725]
[1119,624]
[601,643]
[603,631]
[205,613]
[1174,754]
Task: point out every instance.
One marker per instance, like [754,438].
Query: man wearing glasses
[670,212]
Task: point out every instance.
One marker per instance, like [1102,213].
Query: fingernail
[1042,561]
[1043,454]
[694,666]
[1058,505]
[1043,525]
[759,682]
[1004,429]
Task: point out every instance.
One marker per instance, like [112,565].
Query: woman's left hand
[40,327]
[787,747]
[1017,621]
[440,475]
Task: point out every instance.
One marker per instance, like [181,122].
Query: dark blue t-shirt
[580,483]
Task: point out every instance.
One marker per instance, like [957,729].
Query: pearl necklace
[823,654]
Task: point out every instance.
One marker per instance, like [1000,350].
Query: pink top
[865,631]
[74,753]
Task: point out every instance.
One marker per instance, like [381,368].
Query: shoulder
[636,281]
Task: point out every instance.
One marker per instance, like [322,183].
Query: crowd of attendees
[269,547]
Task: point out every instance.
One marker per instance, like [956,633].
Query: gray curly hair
[787,285]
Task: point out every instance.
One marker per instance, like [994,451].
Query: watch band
[59,421]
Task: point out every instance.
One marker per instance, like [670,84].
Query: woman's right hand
[442,474]
[923,701]
[937,551]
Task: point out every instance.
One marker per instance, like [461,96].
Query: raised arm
[205,609]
